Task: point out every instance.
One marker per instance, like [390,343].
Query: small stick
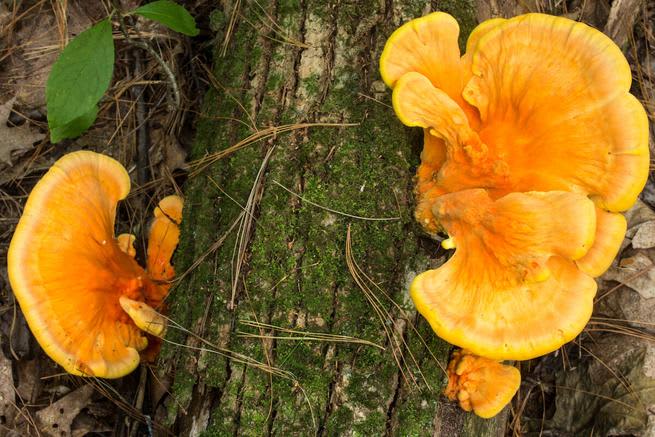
[143,163]
[172,83]
[138,404]
[175,104]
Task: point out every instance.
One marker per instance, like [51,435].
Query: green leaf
[171,15]
[74,128]
[80,76]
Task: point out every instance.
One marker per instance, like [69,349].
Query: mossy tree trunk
[288,62]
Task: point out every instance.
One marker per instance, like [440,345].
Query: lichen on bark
[304,61]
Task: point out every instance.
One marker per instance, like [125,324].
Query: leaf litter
[17,139]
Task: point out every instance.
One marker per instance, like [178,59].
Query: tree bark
[284,264]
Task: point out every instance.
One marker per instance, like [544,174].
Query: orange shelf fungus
[89,304]
[163,237]
[480,384]
[533,148]
[512,289]
[126,244]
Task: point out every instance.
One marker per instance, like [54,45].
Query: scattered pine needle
[230,27]
[630,278]
[239,358]
[375,100]
[615,373]
[397,342]
[24,412]
[213,248]
[598,395]
[110,393]
[301,335]
[245,227]
[632,322]
[345,214]
[198,166]
[271,25]
[401,311]
[218,86]
[598,326]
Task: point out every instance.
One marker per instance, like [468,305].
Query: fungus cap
[546,107]
[163,237]
[69,273]
[610,231]
[512,290]
[481,384]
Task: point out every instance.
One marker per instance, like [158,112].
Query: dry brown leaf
[28,380]
[167,150]
[644,237]
[639,214]
[593,400]
[637,272]
[86,425]
[627,304]
[15,139]
[56,420]
[621,20]
[33,44]
[593,13]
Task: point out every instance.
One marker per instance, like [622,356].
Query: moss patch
[295,275]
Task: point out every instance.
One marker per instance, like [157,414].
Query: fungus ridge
[514,258]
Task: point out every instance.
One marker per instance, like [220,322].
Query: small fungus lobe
[480,384]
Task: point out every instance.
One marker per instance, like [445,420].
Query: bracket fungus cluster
[533,146]
[89,304]
[480,384]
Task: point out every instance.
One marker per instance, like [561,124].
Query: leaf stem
[169,74]
[172,82]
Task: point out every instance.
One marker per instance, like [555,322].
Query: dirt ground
[38,398]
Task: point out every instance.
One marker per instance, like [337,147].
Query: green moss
[288,8]
[312,84]
[217,20]
[183,389]
[464,12]
[295,273]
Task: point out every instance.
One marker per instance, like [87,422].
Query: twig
[141,125]
[120,17]
[172,83]
[138,404]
